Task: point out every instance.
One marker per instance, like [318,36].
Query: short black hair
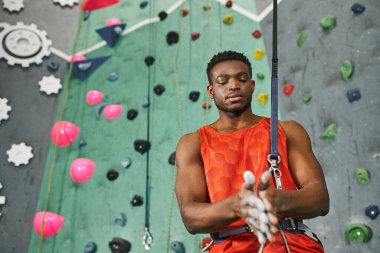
[227,56]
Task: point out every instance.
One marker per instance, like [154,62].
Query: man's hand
[257,211]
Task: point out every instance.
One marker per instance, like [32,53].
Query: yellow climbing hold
[206,7]
[258,54]
[229,19]
[262,98]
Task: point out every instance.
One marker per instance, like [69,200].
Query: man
[212,160]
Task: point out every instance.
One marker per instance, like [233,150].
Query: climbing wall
[322,97]
[312,91]
[94,210]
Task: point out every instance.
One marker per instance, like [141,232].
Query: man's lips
[234,98]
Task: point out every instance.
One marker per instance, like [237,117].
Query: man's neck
[228,122]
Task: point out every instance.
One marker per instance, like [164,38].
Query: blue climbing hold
[126,163]
[372,211]
[53,65]
[121,219]
[113,77]
[82,143]
[177,247]
[353,95]
[86,15]
[90,247]
[99,109]
[145,102]
[357,8]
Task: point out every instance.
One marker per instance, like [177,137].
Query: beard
[234,110]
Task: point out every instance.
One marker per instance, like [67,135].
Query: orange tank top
[227,155]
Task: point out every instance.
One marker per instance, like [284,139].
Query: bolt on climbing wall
[136,84]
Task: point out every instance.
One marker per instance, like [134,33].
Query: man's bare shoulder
[294,129]
[189,141]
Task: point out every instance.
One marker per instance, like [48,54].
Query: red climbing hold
[185,12]
[229,4]
[89,5]
[288,89]
[195,36]
[256,34]
[206,106]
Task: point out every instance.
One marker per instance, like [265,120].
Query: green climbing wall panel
[91,207]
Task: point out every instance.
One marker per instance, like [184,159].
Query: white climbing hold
[20,154]
[50,85]
[4,109]
[13,5]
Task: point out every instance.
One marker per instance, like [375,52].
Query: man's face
[231,87]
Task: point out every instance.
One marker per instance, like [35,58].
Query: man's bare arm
[312,199]
[198,215]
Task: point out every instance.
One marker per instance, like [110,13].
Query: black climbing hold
[112,175]
[353,95]
[142,146]
[119,245]
[159,89]
[126,163]
[172,37]
[82,143]
[372,211]
[177,247]
[121,219]
[162,15]
[149,60]
[90,247]
[143,4]
[137,200]
[86,15]
[132,114]
[172,159]
[357,8]
[194,96]
[53,65]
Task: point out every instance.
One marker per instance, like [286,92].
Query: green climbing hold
[346,68]
[362,176]
[328,22]
[306,99]
[260,76]
[329,133]
[302,36]
[358,233]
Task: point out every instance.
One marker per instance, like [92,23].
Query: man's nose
[234,84]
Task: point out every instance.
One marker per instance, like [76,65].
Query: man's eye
[222,81]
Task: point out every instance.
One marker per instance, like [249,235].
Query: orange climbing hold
[256,34]
[288,89]
[185,12]
[195,36]
[206,106]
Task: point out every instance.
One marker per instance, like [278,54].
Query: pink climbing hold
[47,223]
[90,5]
[82,169]
[112,111]
[113,21]
[64,133]
[288,89]
[94,97]
[77,57]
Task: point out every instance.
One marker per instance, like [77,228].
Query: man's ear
[210,91]
[253,85]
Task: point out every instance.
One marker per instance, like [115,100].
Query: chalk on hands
[249,178]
